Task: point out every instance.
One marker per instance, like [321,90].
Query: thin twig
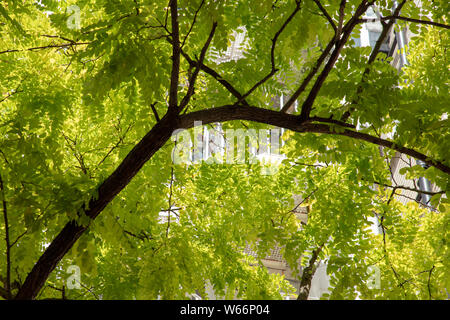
[50,46]
[327,16]
[10,94]
[227,85]
[155,112]
[89,290]
[77,156]
[18,238]
[116,145]
[192,24]
[429,282]
[408,188]
[272,53]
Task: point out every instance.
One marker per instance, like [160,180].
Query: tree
[93,91]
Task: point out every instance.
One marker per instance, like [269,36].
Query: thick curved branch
[295,123]
[322,128]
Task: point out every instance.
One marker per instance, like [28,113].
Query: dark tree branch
[319,128]
[77,156]
[155,112]
[295,123]
[141,236]
[10,94]
[18,238]
[176,51]
[166,16]
[429,282]
[337,31]
[8,244]
[57,37]
[137,7]
[116,145]
[62,290]
[308,196]
[50,46]
[89,290]
[386,254]
[4,293]
[308,274]
[109,25]
[341,16]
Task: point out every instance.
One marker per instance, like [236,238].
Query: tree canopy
[92,91]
